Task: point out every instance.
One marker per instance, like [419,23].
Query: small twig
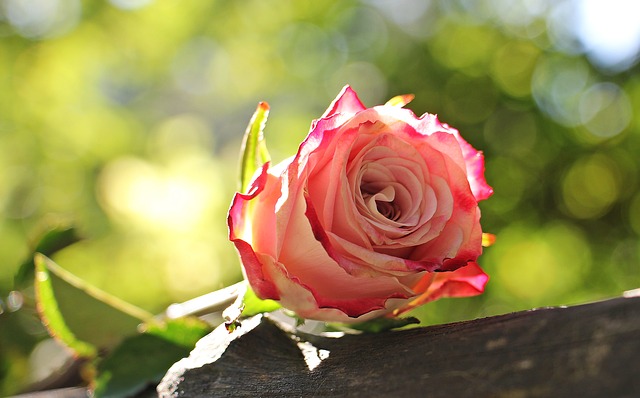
[211,302]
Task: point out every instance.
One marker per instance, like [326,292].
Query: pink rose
[377,213]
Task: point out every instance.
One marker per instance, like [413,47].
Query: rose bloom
[377,213]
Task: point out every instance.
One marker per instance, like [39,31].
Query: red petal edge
[355,308]
[347,101]
[474,159]
[263,286]
[467,281]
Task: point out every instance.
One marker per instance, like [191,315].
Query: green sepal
[254,147]
[254,305]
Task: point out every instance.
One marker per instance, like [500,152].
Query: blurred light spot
[465,47]
[402,12]
[173,198]
[192,266]
[24,199]
[304,48]
[42,18]
[605,110]
[365,78]
[557,87]
[510,131]
[508,180]
[130,4]
[609,31]
[591,186]
[364,30]
[192,66]
[13,249]
[513,66]
[632,89]
[186,133]
[14,301]
[469,100]
[634,214]
[518,13]
[63,185]
[623,261]
[416,17]
[561,21]
[536,264]
[42,276]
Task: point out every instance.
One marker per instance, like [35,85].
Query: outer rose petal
[347,103]
[240,231]
[474,159]
[467,281]
[302,301]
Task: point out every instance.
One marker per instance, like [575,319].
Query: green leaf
[182,331]
[51,315]
[254,148]
[382,324]
[55,238]
[80,315]
[254,305]
[144,359]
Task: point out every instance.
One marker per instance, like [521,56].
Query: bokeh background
[125,118]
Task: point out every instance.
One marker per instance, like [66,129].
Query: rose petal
[429,124]
[238,220]
[474,160]
[240,234]
[346,103]
[381,262]
[467,281]
[455,245]
[301,300]
[253,269]
[307,260]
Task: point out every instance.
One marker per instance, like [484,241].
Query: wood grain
[590,350]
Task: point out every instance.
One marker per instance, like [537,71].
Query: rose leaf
[383,324]
[184,332]
[80,315]
[51,315]
[55,238]
[144,359]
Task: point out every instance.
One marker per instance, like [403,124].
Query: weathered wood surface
[590,350]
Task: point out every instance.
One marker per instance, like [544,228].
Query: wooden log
[590,350]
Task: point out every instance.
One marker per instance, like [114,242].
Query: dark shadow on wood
[591,350]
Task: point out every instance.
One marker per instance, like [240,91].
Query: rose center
[381,202]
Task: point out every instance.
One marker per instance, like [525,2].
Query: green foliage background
[126,117]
